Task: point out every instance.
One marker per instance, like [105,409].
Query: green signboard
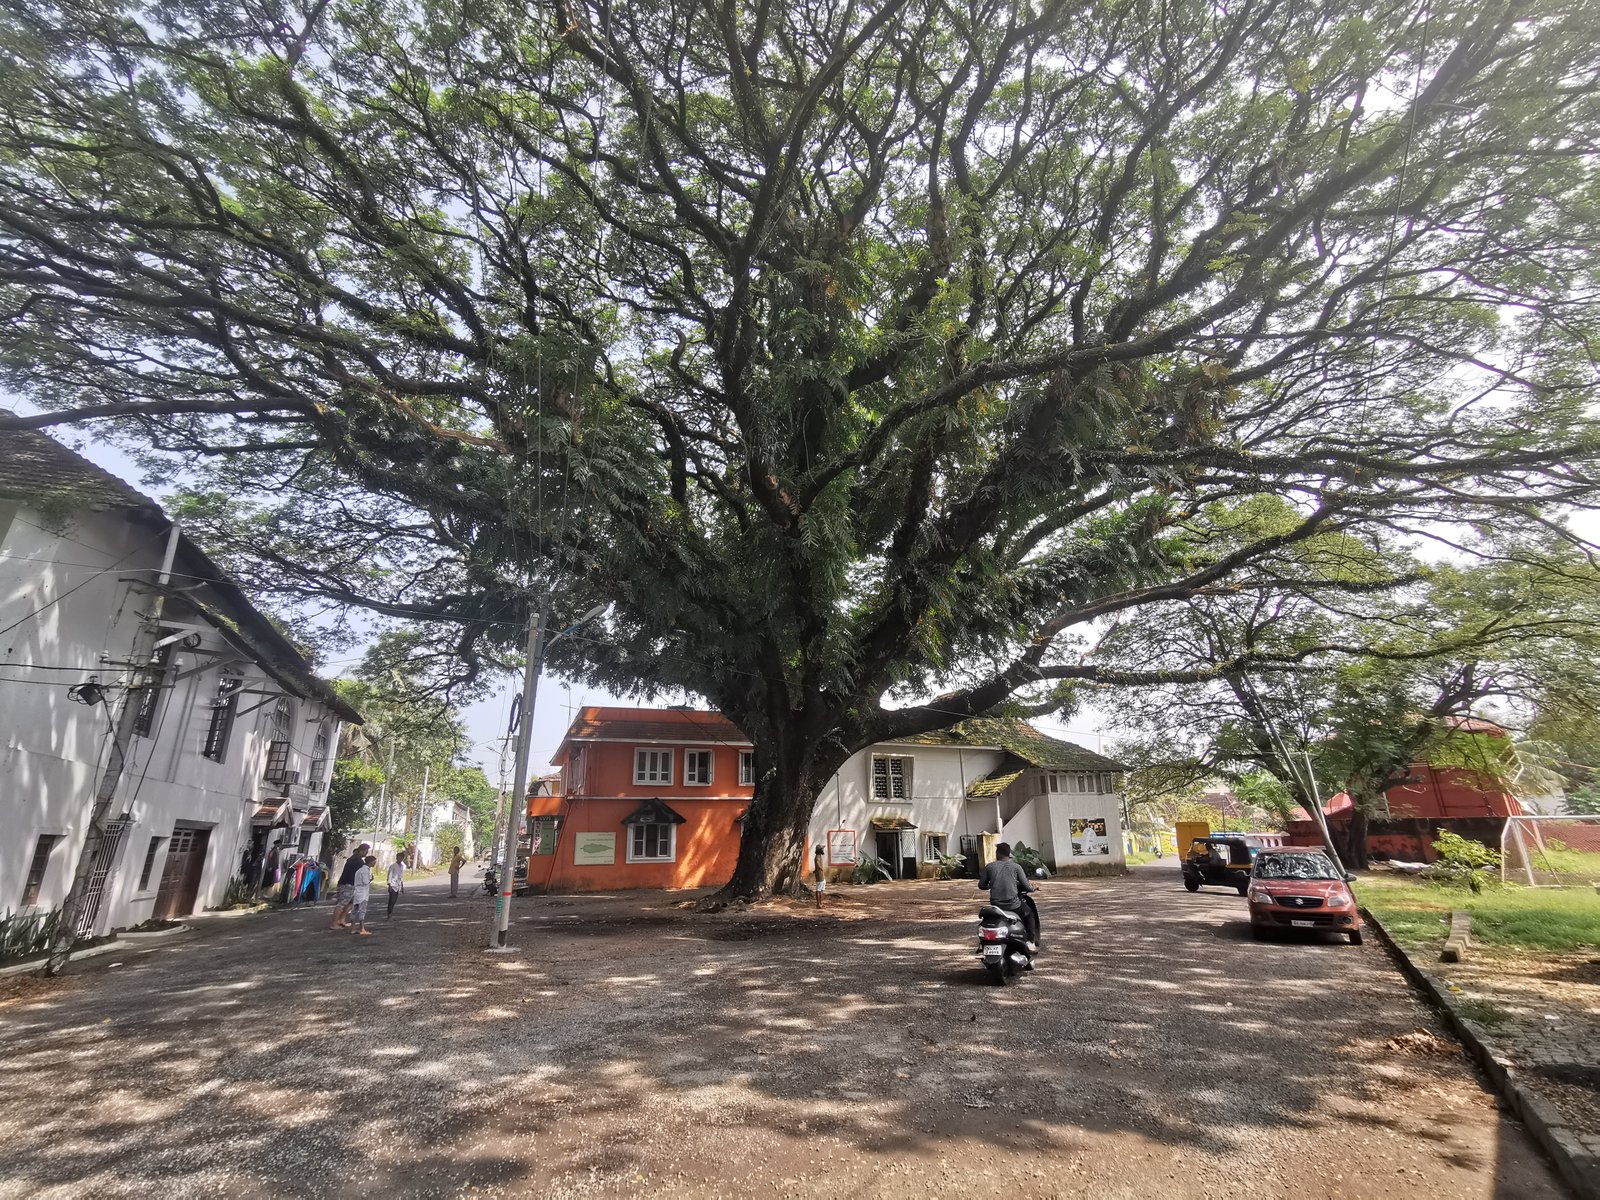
[594,849]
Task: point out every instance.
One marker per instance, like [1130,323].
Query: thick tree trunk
[1355,855]
[772,844]
[790,773]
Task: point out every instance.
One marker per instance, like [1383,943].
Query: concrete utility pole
[422,815]
[517,801]
[382,821]
[144,649]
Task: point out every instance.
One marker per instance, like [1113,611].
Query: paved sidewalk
[1539,1016]
[632,1047]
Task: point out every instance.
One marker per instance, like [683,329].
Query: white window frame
[747,768]
[577,764]
[1108,783]
[672,842]
[690,756]
[888,796]
[928,856]
[652,775]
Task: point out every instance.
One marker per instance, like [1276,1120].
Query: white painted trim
[664,742]
[932,746]
[908,776]
[672,829]
[711,767]
[643,781]
[635,799]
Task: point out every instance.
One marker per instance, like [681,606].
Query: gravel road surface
[633,1047]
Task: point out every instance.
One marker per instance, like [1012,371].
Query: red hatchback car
[1301,889]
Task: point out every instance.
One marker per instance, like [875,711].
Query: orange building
[649,798]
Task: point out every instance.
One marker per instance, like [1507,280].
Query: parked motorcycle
[491,882]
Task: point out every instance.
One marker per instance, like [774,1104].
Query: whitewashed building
[906,803]
[232,752]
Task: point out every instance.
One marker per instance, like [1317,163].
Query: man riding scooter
[1009,887]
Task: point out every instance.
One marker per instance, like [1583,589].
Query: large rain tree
[864,357]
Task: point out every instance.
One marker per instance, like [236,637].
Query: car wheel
[1192,884]
[1258,932]
[1355,937]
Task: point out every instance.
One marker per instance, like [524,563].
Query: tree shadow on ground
[630,1040]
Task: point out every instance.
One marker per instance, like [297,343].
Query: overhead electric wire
[116,566]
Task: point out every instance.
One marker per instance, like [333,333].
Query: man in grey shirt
[1008,887]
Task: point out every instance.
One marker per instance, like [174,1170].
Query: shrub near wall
[24,934]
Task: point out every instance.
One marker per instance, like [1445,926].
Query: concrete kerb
[33,964]
[1579,1168]
[1460,937]
[152,935]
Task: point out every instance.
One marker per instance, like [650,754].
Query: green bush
[22,934]
[241,893]
[1461,861]
[446,840]
[1029,859]
[950,865]
[870,870]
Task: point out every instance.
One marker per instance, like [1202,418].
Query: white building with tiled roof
[232,752]
[908,802]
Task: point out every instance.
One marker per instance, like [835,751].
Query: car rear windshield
[1295,866]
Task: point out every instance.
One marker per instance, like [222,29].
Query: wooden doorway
[180,876]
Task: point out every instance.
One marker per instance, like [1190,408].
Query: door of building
[180,876]
[105,857]
[892,852]
[971,855]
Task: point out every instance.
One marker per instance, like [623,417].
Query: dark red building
[1463,801]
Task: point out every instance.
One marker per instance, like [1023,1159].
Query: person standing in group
[397,881]
[363,893]
[457,861]
[345,896]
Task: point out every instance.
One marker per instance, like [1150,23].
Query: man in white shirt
[363,889]
[397,881]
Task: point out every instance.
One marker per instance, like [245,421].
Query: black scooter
[1003,942]
[491,882]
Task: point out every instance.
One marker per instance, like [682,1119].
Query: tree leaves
[840,350]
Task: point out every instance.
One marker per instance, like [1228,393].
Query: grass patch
[1515,917]
[1481,1011]
[1579,866]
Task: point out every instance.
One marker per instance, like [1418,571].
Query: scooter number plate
[993,951]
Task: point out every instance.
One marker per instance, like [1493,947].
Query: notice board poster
[841,846]
[594,849]
[1089,837]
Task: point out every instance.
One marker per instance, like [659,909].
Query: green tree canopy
[853,354]
[411,736]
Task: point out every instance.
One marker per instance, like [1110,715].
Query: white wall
[1044,820]
[65,588]
[940,777]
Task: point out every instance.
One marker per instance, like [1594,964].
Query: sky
[558,699]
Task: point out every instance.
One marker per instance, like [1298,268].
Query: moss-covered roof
[994,784]
[1017,737]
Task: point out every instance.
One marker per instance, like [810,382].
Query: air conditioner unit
[291,777]
[316,785]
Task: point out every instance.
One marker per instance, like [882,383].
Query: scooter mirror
[1040,873]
